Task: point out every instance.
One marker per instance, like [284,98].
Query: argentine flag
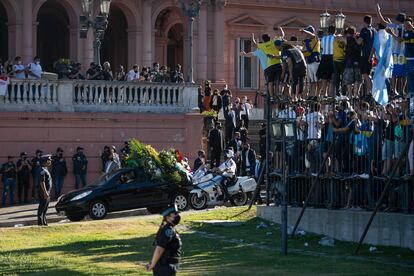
[383,71]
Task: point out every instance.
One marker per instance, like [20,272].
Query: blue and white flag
[383,71]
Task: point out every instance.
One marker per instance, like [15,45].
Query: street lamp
[340,21]
[190,8]
[99,24]
[283,131]
[324,20]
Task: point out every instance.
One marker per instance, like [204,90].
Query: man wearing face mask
[167,254]
[45,187]
[34,69]
[59,171]
[18,68]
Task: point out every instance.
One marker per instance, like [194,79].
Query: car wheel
[156,210]
[239,199]
[181,201]
[75,217]
[198,203]
[98,210]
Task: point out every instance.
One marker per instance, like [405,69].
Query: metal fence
[350,146]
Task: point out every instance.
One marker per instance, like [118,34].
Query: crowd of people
[156,73]
[25,173]
[349,99]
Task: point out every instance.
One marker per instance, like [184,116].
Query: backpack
[360,145]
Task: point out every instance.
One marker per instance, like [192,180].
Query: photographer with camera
[94,72]
[59,171]
[23,177]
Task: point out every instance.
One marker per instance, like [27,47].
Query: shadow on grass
[226,250]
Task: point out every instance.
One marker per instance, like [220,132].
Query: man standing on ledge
[167,254]
[45,186]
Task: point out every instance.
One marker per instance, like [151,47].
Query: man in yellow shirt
[271,47]
[338,58]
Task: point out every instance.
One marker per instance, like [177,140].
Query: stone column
[27,51]
[134,48]
[202,44]
[218,56]
[147,34]
[15,38]
[34,38]
[88,49]
[73,43]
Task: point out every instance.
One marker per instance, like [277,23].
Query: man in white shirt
[19,69]
[315,122]
[245,111]
[34,69]
[133,74]
[228,170]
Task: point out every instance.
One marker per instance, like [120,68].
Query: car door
[144,190]
[162,192]
[122,194]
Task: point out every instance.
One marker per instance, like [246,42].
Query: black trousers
[245,119]
[165,269]
[42,210]
[215,158]
[23,185]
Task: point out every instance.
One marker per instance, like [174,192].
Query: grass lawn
[124,246]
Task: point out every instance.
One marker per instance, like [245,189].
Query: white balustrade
[99,96]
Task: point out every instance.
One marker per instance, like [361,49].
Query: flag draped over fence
[385,64]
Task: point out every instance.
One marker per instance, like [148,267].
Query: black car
[124,189]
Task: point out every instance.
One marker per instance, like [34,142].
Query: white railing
[32,92]
[99,96]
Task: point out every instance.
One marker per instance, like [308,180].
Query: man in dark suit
[231,123]
[248,160]
[201,160]
[216,145]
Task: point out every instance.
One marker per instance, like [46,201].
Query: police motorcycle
[208,191]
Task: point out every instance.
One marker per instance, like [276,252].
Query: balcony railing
[99,96]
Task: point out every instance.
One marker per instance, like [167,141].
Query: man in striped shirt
[326,67]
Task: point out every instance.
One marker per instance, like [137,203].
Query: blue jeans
[409,67]
[78,179]
[9,187]
[58,184]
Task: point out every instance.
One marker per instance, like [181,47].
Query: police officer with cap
[45,186]
[167,254]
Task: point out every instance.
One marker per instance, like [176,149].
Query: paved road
[24,215]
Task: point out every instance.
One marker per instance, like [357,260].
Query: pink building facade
[141,32]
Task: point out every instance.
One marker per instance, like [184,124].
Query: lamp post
[283,130]
[324,19]
[190,8]
[99,24]
[340,22]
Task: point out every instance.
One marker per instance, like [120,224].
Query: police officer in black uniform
[45,186]
[167,254]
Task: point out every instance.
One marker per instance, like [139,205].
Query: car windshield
[102,179]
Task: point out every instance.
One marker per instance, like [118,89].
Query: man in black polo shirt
[9,180]
[80,165]
[45,187]
[23,177]
[366,40]
[35,173]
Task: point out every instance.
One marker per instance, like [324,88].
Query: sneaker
[364,176]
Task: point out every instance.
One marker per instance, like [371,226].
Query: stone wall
[387,229]
[24,131]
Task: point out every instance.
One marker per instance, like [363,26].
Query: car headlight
[82,195]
